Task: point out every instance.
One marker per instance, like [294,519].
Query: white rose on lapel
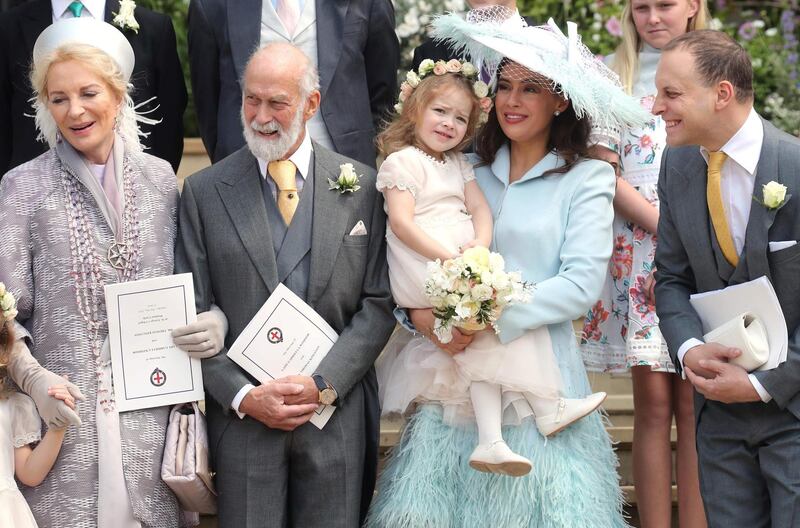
[347,180]
[125,19]
[774,195]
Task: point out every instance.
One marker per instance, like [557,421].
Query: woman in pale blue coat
[553,217]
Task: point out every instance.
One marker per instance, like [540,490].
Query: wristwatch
[327,394]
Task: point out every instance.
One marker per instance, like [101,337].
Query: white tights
[487,403]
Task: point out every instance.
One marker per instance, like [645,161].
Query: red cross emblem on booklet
[158,377]
[275,335]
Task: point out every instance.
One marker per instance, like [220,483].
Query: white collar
[745,146]
[301,157]
[95,8]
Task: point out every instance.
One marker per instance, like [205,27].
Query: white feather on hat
[592,88]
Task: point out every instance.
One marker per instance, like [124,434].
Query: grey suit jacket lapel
[244,31]
[331,216]
[240,192]
[330,27]
[691,210]
[761,218]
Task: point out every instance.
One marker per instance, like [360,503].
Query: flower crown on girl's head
[8,305]
[465,69]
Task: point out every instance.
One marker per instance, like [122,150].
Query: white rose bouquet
[471,291]
[8,304]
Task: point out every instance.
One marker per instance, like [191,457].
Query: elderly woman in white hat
[552,221]
[93,210]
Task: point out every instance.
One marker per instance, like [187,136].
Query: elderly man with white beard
[266,215]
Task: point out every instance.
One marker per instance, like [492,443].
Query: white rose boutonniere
[774,195]
[125,19]
[347,180]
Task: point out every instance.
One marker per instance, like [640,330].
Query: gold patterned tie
[717,209]
[283,172]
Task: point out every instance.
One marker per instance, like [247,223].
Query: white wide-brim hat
[89,31]
[592,88]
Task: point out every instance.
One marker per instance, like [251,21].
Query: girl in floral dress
[621,330]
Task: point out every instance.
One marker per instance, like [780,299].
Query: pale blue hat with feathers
[488,36]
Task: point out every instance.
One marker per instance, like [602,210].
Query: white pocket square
[359,229]
[782,244]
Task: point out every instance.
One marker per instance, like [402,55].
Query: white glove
[205,337]
[35,380]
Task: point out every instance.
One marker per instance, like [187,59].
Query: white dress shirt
[91,8]
[737,185]
[302,160]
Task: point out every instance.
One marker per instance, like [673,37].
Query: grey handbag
[185,466]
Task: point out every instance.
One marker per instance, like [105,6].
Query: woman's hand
[205,337]
[61,392]
[423,319]
[36,381]
[471,244]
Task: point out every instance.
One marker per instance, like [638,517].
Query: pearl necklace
[86,265]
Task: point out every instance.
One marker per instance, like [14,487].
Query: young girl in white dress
[436,210]
[20,426]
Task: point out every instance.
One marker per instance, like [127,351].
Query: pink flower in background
[613,27]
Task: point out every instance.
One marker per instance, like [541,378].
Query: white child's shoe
[498,458]
[566,411]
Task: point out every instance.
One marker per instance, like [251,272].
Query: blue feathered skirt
[427,482]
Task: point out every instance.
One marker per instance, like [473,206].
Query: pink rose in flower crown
[485,104]
[453,66]
[405,91]
[439,68]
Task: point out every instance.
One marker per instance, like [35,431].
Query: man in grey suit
[246,226]
[351,42]
[717,228]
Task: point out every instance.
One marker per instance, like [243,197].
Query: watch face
[327,396]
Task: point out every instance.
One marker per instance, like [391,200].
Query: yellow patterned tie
[717,209]
[283,172]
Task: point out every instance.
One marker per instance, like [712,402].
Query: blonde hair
[99,63]
[6,343]
[626,56]
[400,132]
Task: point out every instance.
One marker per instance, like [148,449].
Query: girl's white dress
[417,370]
[19,426]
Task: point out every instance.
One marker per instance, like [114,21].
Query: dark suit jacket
[358,56]
[688,258]
[435,50]
[157,72]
